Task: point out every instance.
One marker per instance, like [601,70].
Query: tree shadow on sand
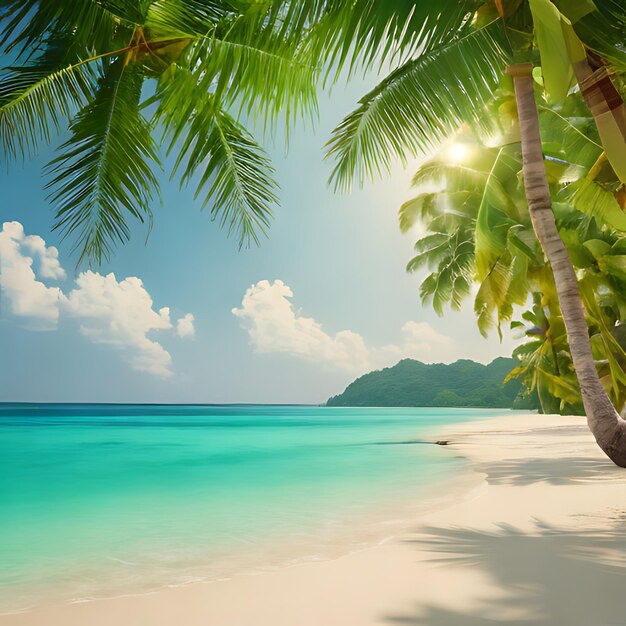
[563,471]
[560,577]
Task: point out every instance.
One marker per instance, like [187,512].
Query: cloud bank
[111,312]
[274,326]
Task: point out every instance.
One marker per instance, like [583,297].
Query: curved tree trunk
[607,426]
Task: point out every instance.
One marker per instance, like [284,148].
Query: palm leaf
[439,173]
[36,99]
[266,76]
[573,139]
[24,24]
[430,250]
[419,105]
[496,212]
[493,295]
[604,31]
[232,171]
[190,18]
[242,188]
[103,174]
[363,32]
[453,256]
[435,204]
[592,199]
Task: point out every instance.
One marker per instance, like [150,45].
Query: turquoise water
[99,500]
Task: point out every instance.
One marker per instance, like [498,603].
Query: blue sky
[324,299]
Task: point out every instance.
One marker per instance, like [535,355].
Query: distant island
[464,383]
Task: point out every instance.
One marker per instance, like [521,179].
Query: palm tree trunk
[607,426]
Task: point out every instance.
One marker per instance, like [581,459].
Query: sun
[457,152]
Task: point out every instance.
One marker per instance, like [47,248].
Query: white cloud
[112,312]
[121,314]
[273,325]
[28,297]
[185,327]
[49,266]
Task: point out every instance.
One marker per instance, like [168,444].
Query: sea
[106,500]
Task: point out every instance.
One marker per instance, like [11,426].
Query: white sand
[542,540]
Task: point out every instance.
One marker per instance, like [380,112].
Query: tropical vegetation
[461,384]
[182,84]
[567,47]
[471,209]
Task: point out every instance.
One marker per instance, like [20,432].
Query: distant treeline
[461,384]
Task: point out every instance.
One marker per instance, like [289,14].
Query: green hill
[412,383]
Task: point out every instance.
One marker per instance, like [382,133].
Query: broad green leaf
[613,141]
[590,198]
[571,138]
[524,239]
[493,221]
[573,44]
[575,9]
[597,247]
[615,265]
[560,387]
[558,74]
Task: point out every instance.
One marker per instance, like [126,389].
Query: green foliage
[213,148]
[203,69]
[474,213]
[94,185]
[419,104]
[412,383]
[36,99]
[91,63]
[478,231]
[603,30]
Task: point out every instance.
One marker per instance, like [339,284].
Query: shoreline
[380,523]
[541,483]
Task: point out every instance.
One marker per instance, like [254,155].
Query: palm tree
[430,95]
[85,63]
[604,421]
[194,72]
[477,230]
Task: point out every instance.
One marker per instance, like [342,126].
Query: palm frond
[103,174]
[604,31]
[496,213]
[594,200]
[26,24]
[426,206]
[418,105]
[37,98]
[439,173]
[189,18]
[231,169]
[493,295]
[573,139]
[242,188]
[430,249]
[453,256]
[266,77]
[364,32]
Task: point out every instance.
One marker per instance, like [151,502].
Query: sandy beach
[538,538]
